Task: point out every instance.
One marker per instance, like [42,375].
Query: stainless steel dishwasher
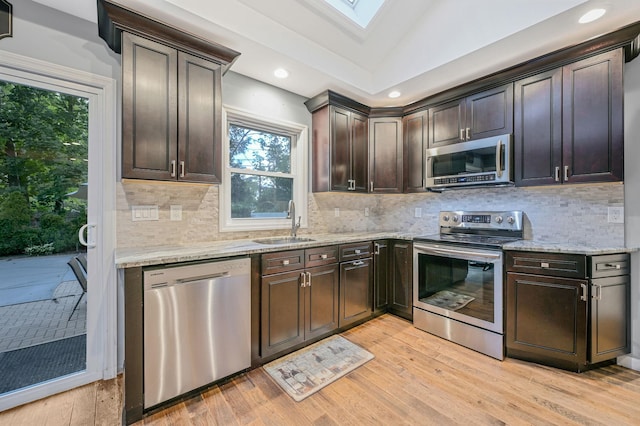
[197,326]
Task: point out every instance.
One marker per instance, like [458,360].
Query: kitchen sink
[283,240]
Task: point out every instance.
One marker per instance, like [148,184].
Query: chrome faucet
[291,214]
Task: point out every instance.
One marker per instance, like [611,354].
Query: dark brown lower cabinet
[298,305]
[355,291]
[573,320]
[401,279]
[393,278]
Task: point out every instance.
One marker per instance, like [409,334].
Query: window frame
[299,170]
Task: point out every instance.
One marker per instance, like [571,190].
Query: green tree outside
[44,147]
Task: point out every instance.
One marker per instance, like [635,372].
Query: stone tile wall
[569,213]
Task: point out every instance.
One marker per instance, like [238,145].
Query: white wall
[46,34]
[632,198]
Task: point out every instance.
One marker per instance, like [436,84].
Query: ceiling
[417,47]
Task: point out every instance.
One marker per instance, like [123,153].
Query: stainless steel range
[458,278]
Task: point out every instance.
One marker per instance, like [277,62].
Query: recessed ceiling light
[591,15]
[394,94]
[281,73]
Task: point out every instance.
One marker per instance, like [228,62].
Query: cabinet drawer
[355,251]
[609,265]
[321,256]
[282,261]
[558,265]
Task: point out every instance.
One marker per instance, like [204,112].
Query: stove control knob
[499,219]
[510,219]
[445,218]
[455,218]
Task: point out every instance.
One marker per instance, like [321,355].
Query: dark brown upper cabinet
[484,114]
[568,123]
[340,150]
[415,142]
[385,155]
[171,113]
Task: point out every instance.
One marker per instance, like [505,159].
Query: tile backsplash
[567,213]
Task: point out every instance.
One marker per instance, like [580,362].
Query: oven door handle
[459,252]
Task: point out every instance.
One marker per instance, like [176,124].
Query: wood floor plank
[415,379]
[84,396]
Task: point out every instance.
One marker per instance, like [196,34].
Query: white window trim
[299,169]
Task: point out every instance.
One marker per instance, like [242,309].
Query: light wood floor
[415,378]
[98,403]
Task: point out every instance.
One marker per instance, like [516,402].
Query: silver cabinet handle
[358,263]
[566,173]
[468,134]
[173,168]
[357,251]
[584,292]
[308,279]
[182,169]
[285,262]
[557,174]
[303,279]
[461,134]
[612,265]
[371,186]
[544,264]
[323,256]
[376,248]
[597,292]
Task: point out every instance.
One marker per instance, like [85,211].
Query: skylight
[360,13]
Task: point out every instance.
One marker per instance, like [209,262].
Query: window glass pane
[260,196]
[259,150]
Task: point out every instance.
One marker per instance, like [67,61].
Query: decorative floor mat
[308,370]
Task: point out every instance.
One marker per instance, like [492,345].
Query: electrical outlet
[336,212]
[417,212]
[366,211]
[616,215]
[176,212]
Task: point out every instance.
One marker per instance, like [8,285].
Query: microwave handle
[499,156]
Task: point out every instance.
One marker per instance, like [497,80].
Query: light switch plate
[143,213]
[418,212]
[366,211]
[336,212]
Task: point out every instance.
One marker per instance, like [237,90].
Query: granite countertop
[147,256]
[567,247]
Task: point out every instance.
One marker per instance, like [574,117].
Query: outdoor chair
[78,265]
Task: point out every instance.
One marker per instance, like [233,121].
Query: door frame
[102,338]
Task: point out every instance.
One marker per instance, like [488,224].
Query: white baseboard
[629,362]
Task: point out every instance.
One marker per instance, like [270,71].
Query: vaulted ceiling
[417,47]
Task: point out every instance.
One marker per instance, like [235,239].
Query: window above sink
[265,163]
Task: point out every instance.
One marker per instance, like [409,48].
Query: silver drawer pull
[323,256]
[285,262]
[544,265]
[357,251]
[358,263]
[612,265]
[584,292]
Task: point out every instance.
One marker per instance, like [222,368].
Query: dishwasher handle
[202,278]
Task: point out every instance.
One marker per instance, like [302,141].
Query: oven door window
[463,287]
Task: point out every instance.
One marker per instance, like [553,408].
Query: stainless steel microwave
[486,162]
